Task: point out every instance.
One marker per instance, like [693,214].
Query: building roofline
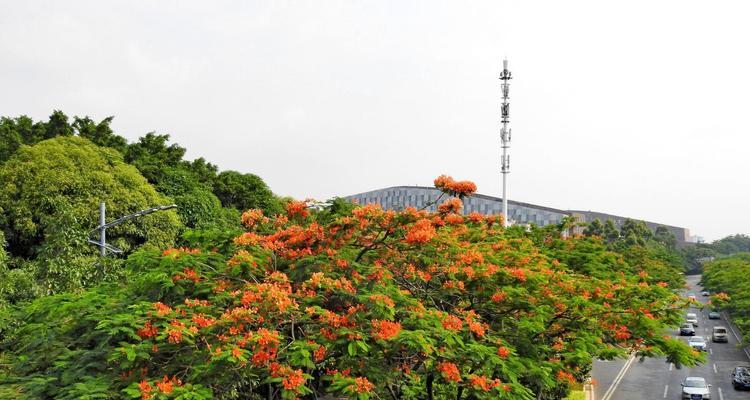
[623,217]
[477,195]
[522,204]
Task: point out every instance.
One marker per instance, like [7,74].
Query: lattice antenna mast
[505,76]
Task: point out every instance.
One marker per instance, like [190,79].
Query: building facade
[400,197]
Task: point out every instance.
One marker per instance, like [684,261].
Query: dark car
[741,377]
[714,315]
[687,329]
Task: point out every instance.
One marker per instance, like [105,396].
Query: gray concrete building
[400,197]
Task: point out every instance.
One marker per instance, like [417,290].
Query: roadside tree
[361,303]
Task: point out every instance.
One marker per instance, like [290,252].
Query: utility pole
[505,76]
[103,225]
[102,229]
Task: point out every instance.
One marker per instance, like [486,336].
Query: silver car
[692,318]
[720,334]
[695,388]
[698,343]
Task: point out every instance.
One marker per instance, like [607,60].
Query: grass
[575,395]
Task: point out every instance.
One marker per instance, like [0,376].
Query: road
[655,379]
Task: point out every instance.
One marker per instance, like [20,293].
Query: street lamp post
[103,226]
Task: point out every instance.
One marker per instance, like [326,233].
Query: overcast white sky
[638,109]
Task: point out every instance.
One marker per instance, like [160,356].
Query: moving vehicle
[692,318]
[687,329]
[705,293]
[741,377]
[698,343]
[719,334]
[695,388]
[714,315]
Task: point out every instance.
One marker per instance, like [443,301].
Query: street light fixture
[103,226]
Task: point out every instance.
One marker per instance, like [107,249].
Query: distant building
[696,239]
[400,197]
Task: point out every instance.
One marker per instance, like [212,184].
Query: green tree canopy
[635,232]
[197,205]
[100,133]
[594,228]
[727,279]
[245,191]
[151,155]
[665,236]
[732,244]
[70,175]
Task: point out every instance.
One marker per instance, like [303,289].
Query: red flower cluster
[297,209]
[247,239]
[721,296]
[563,376]
[293,379]
[449,371]
[167,385]
[452,323]
[455,188]
[147,331]
[187,274]
[146,390]
[162,309]
[622,333]
[175,332]
[381,298]
[499,296]
[363,385]
[503,352]
[180,251]
[251,218]
[203,321]
[266,346]
[451,206]
[320,353]
[385,330]
[483,383]
[421,232]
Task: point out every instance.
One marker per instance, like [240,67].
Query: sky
[634,108]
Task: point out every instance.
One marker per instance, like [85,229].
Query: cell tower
[505,76]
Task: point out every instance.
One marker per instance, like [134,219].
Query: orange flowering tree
[353,302]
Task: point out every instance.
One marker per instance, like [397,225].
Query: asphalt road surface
[655,379]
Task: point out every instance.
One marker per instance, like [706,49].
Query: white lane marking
[670,366]
[715,371]
[721,395]
[608,394]
[711,351]
[666,388]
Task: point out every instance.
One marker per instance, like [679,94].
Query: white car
[692,318]
[698,343]
[695,388]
